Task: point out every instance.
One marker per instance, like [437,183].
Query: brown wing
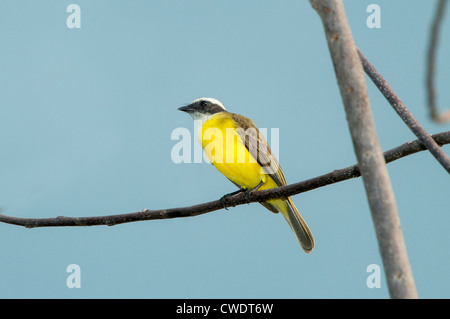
[258,147]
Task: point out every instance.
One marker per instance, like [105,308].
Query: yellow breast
[225,150]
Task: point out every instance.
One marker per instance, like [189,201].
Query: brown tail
[298,225]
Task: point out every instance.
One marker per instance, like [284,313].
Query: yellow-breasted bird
[234,145]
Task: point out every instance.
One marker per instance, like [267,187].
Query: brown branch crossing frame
[335,176]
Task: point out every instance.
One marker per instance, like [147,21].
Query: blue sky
[86,117]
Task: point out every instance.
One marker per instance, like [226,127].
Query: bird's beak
[186,108]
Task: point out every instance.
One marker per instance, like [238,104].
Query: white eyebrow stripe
[211,100]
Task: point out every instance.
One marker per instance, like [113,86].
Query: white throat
[197,116]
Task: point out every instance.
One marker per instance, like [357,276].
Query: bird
[237,149]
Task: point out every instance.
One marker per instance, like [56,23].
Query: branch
[335,176]
[380,195]
[434,113]
[404,113]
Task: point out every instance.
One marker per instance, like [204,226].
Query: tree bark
[351,81]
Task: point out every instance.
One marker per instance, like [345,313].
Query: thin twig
[380,195]
[404,113]
[431,57]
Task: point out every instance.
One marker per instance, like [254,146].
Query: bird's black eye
[204,104]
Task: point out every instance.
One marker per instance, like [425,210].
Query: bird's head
[203,108]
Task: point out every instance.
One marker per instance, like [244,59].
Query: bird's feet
[224,198]
[249,191]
